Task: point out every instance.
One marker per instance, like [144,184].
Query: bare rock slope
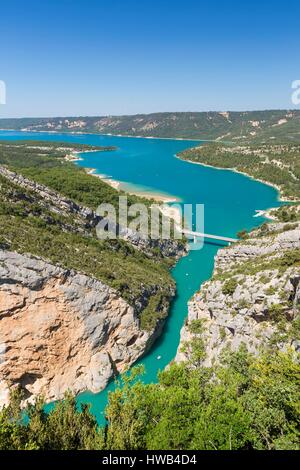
[61,330]
[253,297]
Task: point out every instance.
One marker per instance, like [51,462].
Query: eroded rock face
[258,297]
[61,330]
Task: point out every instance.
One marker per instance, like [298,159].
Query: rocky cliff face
[253,297]
[61,330]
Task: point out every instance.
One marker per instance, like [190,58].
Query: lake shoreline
[109,135]
[280,197]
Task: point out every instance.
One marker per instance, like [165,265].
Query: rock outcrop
[61,330]
[252,298]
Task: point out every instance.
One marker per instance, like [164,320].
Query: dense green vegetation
[63,429]
[28,225]
[245,403]
[255,126]
[278,164]
[33,152]
[44,162]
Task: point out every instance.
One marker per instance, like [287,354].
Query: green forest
[245,403]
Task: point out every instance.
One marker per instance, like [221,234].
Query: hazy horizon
[55,116]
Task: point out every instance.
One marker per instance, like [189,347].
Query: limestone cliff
[61,330]
[253,297]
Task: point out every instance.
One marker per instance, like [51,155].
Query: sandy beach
[113,183]
[152,196]
[172,212]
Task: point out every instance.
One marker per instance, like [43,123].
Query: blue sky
[76,57]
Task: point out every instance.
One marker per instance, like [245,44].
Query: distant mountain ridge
[245,127]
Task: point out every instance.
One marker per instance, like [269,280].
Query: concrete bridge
[207,235]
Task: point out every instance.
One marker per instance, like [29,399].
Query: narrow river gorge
[230,201]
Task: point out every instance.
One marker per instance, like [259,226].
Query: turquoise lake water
[230,201]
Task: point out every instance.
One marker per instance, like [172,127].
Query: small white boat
[259,213]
